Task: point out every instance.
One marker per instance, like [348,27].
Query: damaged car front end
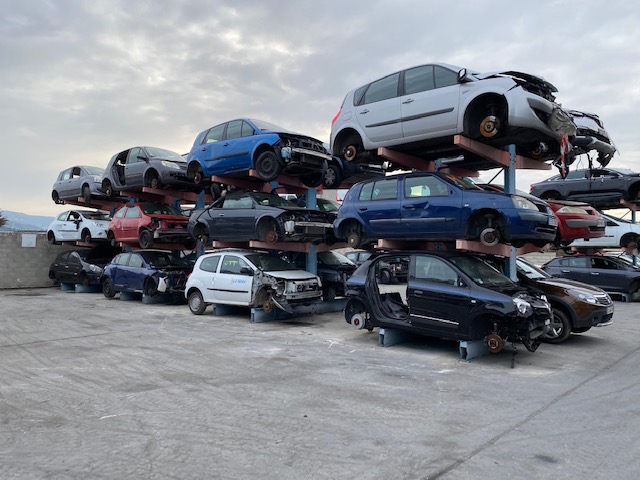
[449,295]
[591,137]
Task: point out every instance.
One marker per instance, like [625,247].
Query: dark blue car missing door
[440,206]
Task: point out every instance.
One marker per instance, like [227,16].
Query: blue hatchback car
[232,148]
[439,206]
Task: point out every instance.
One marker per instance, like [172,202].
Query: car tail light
[336,117]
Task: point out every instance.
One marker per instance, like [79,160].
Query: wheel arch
[634,190]
[564,307]
[474,223]
[341,139]
[474,109]
[342,228]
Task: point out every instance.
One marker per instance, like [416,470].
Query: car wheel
[328,293]
[198,177]
[86,236]
[355,314]
[150,287]
[490,231]
[215,190]
[51,238]
[313,180]
[196,303]
[385,276]
[267,231]
[86,194]
[111,238]
[560,327]
[190,244]
[84,280]
[202,234]
[56,197]
[107,288]
[629,240]
[332,177]
[152,180]
[146,238]
[107,188]
[354,235]
[268,166]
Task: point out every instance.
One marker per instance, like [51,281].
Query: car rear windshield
[270,263]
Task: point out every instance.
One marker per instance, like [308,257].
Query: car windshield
[481,272]
[327,205]
[270,200]
[164,154]
[460,182]
[94,170]
[334,258]
[161,259]
[96,215]
[270,263]
[160,209]
[530,271]
[262,125]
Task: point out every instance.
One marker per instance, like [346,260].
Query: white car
[419,110]
[617,233]
[250,278]
[78,226]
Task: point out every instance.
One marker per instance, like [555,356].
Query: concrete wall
[25,258]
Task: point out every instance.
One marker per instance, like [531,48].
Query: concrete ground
[97,388]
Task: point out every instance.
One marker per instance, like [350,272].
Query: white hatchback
[78,226]
[617,233]
[251,278]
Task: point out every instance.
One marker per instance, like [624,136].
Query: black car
[152,167]
[150,272]
[267,217]
[453,295]
[386,271]
[339,170]
[608,273]
[576,306]
[82,266]
[600,187]
[333,268]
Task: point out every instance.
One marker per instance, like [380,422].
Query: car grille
[603,299]
[307,143]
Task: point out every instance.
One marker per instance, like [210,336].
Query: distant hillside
[17,221]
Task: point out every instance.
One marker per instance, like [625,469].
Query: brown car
[576,306]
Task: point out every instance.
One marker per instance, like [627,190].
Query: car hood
[565,282]
[526,77]
[290,274]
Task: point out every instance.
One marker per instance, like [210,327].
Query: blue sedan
[440,207]
[232,148]
[149,272]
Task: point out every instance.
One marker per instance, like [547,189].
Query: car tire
[385,276]
[84,280]
[145,238]
[550,195]
[332,177]
[313,180]
[56,198]
[351,147]
[354,235]
[51,237]
[355,309]
[215,190]
[267,231]
[561,327]
[111,238]
[629,240]
[268,166]
[107,188]
[198,176]
[196,303]
[152,180]
[86,194]
[86,236]
[150,287]
[107,288]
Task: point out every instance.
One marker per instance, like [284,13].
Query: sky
[81,81]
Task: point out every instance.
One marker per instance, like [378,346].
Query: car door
[607,274]
[207,273]
[117,271]
[130,223]
[236,149]
[234,218]
[438,302]
[378,112]
[68,229]
[73,186]
[64,185]
[378,207]
[131,275]
[575,268]
[430,102]
[230,285]
[430,208]
[603,182]
[60,267]
[211,151]
[135,167]
[73,267]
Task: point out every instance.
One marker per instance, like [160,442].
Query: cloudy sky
[82,80]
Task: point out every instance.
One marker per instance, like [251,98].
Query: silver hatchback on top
[418,110]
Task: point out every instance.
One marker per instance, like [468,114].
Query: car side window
[579,262]
[574,175]
[241,202]
[418,79]
[133,155]
[232,264]
[122,259]
[385,190]
[234,129]
[120,213]
[435,270]
[62,217]
[247,130]
[365,192]
[210,264]
[597,262]
[135,261]
[444,77]
[66,175]
[415,187]
[382,89]
[133,212]
[215,134]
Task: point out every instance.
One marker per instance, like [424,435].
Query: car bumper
[534,112]
[600,317]
[171,234]
[532,226]
[298,230]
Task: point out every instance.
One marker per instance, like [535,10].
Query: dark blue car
[440,206]
[149,272]
[232,148]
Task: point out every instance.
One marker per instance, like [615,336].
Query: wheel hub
[489,126]
[494,343]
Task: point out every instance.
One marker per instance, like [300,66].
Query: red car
[147,223]
[576,220]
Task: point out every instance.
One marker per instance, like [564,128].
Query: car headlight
[576,210]
[522,203]
[97,224]
[172,165]
[524,308]
[584,296]
[95,268]
[97,178]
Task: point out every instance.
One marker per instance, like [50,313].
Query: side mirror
[462,75]
[246,271]
[142,157]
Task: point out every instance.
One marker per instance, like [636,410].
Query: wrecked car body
[451,295]
[267,217]
[591,137]
[249,278]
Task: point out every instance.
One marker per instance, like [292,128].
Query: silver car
[418,110]
[78,181]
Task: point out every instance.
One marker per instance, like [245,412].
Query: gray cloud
[83,80]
